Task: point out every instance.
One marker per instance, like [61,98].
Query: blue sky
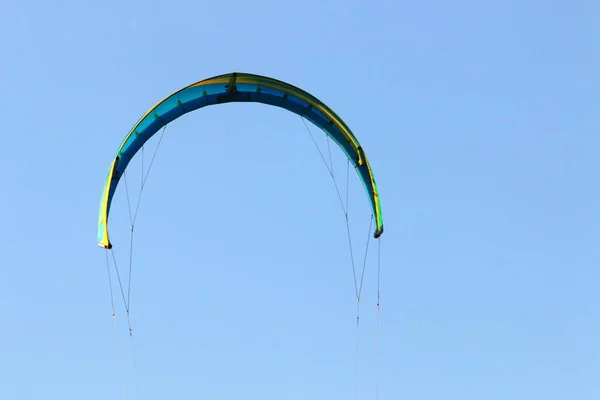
[480,121]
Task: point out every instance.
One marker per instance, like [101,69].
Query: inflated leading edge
[237,87]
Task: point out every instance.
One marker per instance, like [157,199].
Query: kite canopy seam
[237,87]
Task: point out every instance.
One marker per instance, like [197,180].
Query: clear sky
[480,120]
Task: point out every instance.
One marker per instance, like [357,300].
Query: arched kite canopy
[237,87]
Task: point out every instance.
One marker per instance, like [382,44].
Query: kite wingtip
[105,245]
